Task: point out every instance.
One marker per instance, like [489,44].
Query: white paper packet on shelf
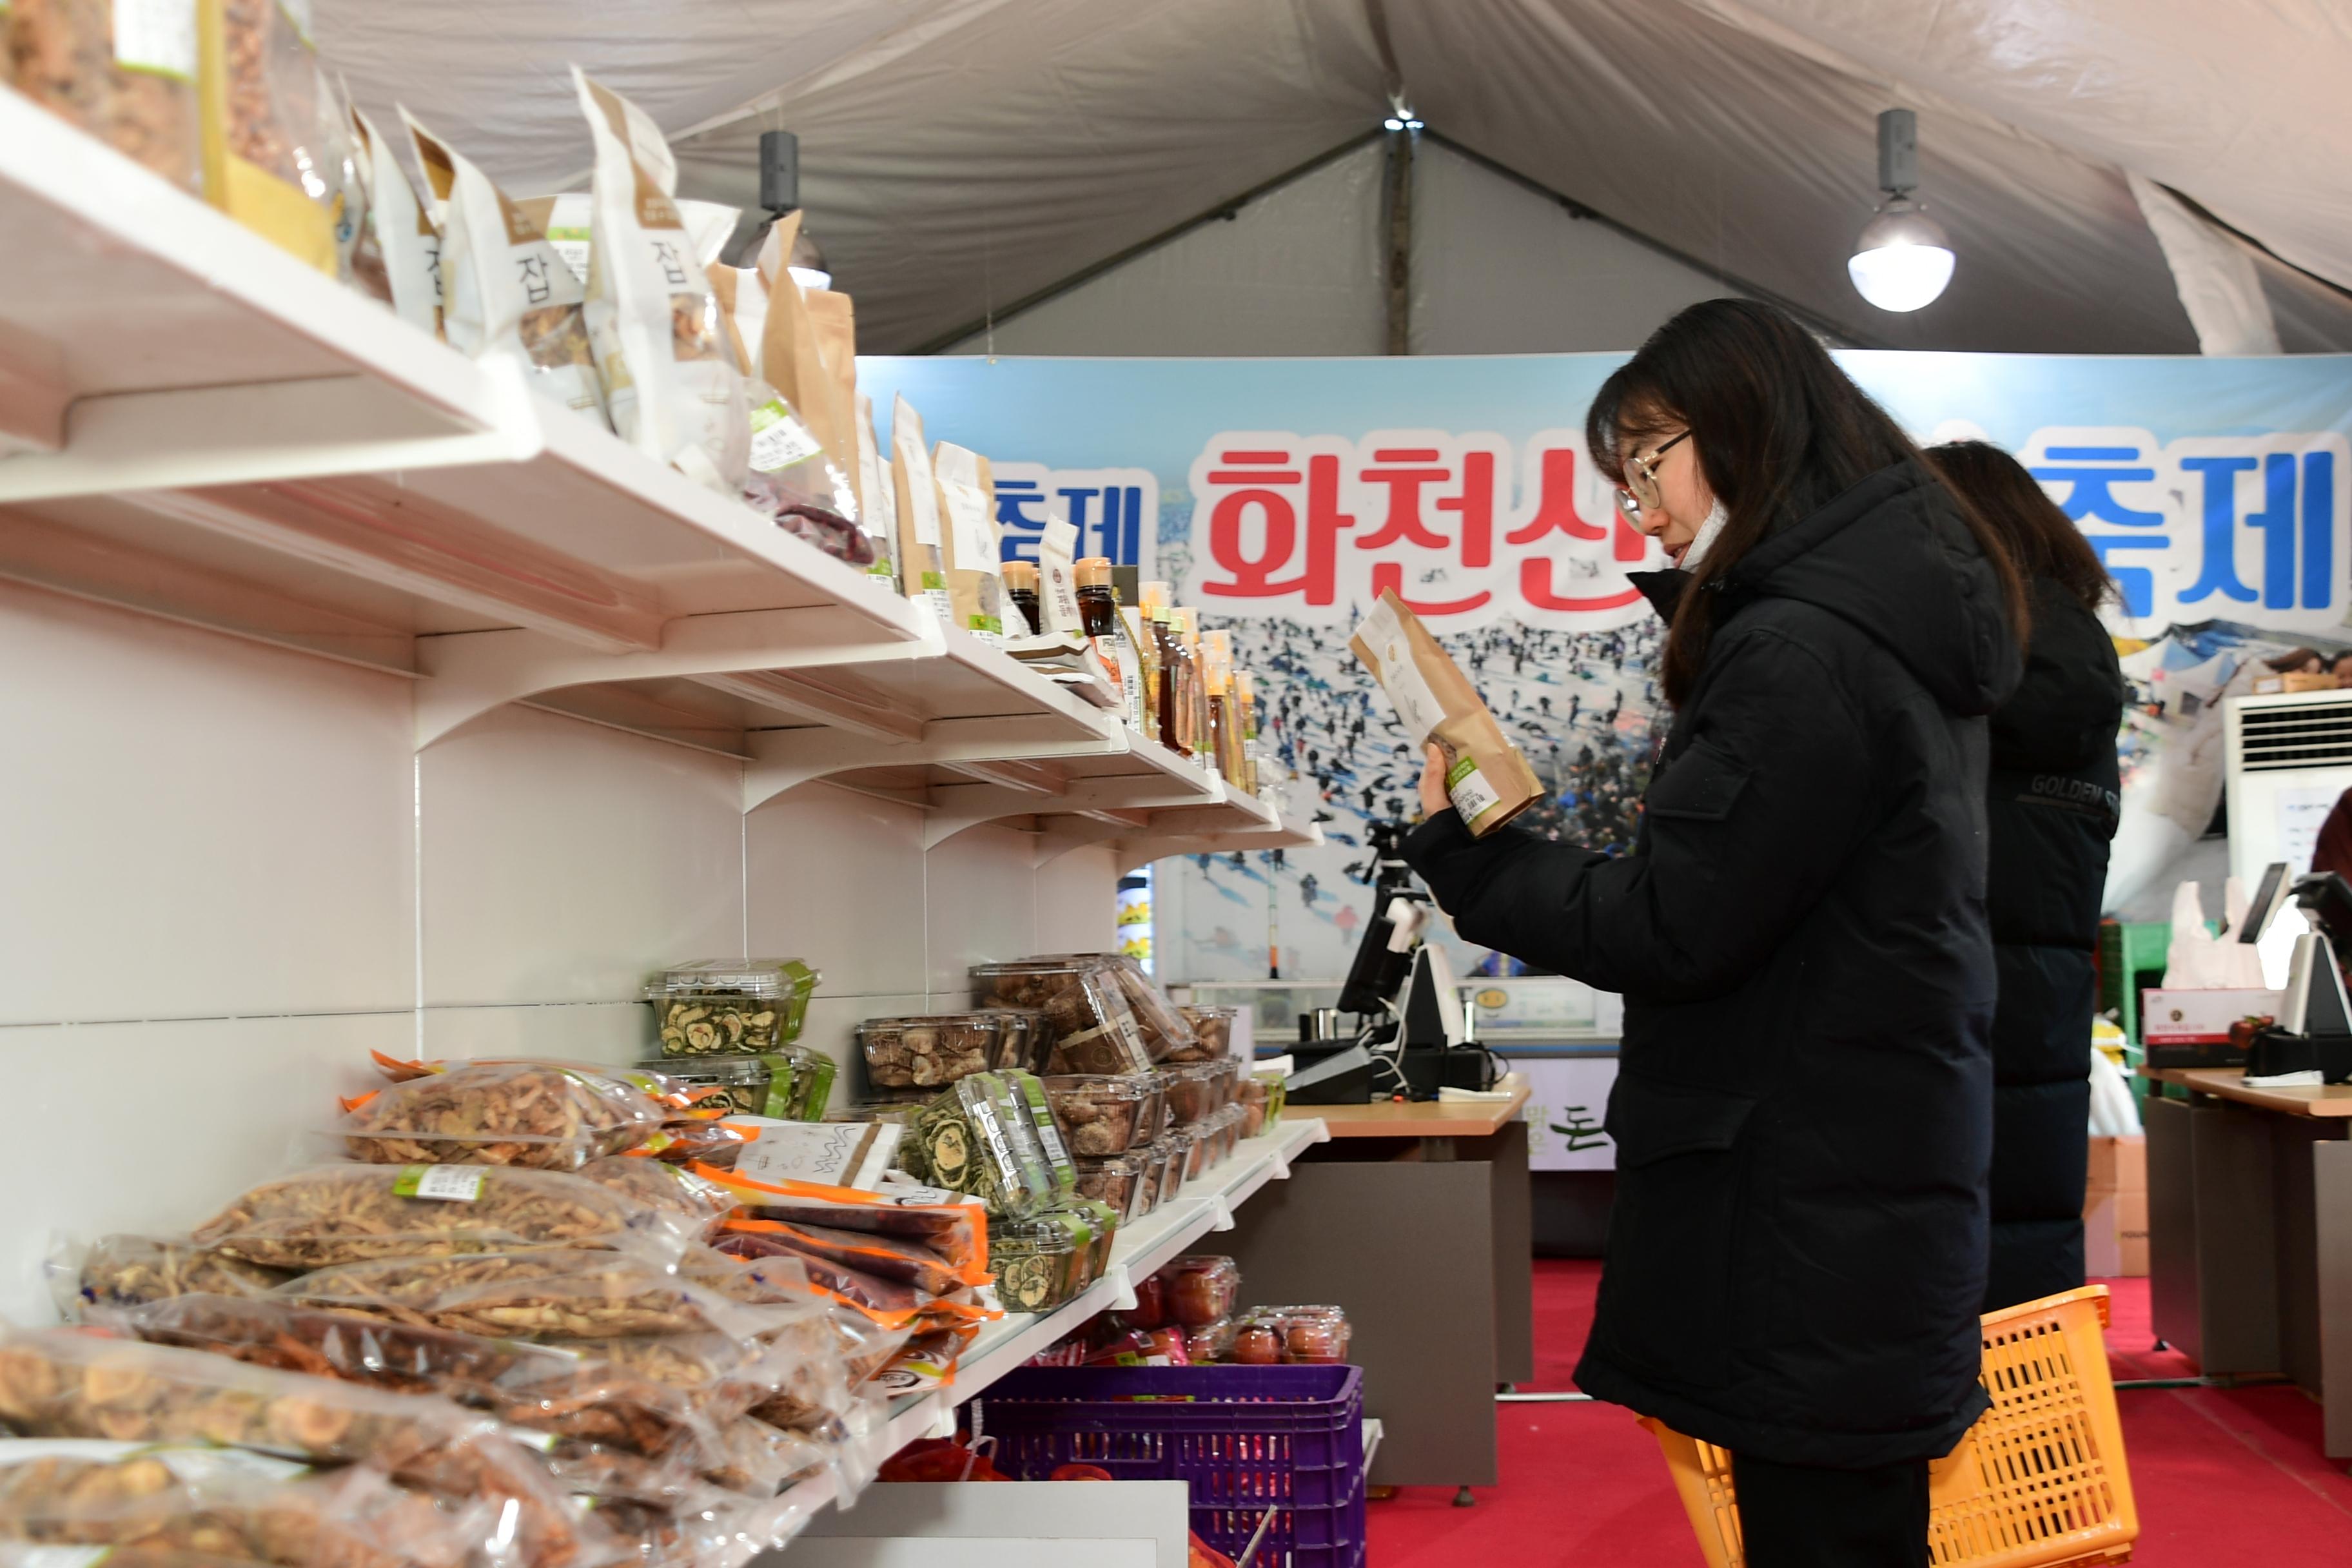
[504,289]
[1058,581]
[405,231]
[569,220]
[674,390]
[969,531]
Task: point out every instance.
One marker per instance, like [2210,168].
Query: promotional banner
[1282,496]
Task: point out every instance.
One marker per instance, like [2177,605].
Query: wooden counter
[2229,1083]
[1421,1119]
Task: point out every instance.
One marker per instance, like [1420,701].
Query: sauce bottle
[1021,586]
[1099,617]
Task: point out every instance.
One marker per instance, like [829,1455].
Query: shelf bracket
[473,673]
[783,760]
[958,809]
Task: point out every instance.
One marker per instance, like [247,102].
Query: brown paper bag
[1488,778]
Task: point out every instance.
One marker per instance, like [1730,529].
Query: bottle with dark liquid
[1021,586]
[1107,629]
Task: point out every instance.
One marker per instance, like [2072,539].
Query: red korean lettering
[1405,484]
[1265,485]
[1476,505]
[1556,512]
[1535,586]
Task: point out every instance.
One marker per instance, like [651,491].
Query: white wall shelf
[201,429]
[1200,1208]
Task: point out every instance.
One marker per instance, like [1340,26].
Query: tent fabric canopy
[958,155]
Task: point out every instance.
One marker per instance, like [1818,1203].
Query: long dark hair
[1781,432]
[2041,541]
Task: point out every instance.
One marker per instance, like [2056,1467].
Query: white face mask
[1703,541]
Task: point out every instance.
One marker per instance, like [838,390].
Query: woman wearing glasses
[1803,1108]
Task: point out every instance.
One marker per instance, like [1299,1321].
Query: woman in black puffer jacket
[1803,1108]
[2049,805]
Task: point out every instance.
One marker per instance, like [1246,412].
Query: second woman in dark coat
[2050,805]
[1803,1113]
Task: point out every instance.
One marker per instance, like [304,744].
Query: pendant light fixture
[1902,258]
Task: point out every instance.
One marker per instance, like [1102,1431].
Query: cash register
[2311,1040]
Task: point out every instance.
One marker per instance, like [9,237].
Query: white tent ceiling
[961,154]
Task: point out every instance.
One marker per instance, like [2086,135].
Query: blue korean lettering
[2318,529]
[2218,568]
[2092,500]
[1020,512]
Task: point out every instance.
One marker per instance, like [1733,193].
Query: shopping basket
[1247,1439]
[2040,1479]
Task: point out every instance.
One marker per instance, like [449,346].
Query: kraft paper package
[971,545]
[877,500]
[404,233]
[1057,583]
[922,564]
[1488,778]
[505,290]
[671,383]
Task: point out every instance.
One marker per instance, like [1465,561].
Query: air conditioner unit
[2290,757]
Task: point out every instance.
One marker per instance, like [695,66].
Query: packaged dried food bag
[342,1214]
[833,318]
[401,228]
[792,354]
[838,1274]
[930,1051]
[971,545]
[1488,778]
[545,1294]
[116,1271]
[263,125]
[123,70]
[730,1006]
[1106,1113]
[671,383]
[504,289]
[980,1137]
[877,501]
[532,1114]
[1090,1025]
[948,1224]
[923,566]
[91,1493]
[698,1201]
[65,1383]
[572,1394]
[1057,583]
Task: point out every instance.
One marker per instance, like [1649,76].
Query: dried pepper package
[505,291]
[672,383]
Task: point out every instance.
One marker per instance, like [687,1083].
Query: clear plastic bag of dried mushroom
[343,1213]
[117,1271]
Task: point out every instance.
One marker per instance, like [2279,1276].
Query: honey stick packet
[1488,779]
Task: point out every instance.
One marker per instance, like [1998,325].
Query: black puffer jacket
[1803,1111]
[2050,803]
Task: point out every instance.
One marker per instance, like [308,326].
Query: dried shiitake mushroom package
[505,292]
[674,389]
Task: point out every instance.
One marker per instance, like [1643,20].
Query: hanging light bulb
[1903,259]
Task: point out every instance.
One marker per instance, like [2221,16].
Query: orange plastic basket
[2040,1479]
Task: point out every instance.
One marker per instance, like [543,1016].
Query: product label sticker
[451,1183]
[1048,1133]
[1473,797]
[158,37]
[571,243]
[779,439]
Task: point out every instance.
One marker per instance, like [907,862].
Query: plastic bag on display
[532,1114]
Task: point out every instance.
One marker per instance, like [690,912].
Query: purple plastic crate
[1244,1438]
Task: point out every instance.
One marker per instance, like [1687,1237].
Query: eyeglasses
[1640,492]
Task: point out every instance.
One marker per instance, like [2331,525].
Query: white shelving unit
[207,431]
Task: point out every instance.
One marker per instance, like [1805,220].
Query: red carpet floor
[2221,1477]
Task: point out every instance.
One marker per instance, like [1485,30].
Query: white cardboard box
[2200,1017]
[1011,1524]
